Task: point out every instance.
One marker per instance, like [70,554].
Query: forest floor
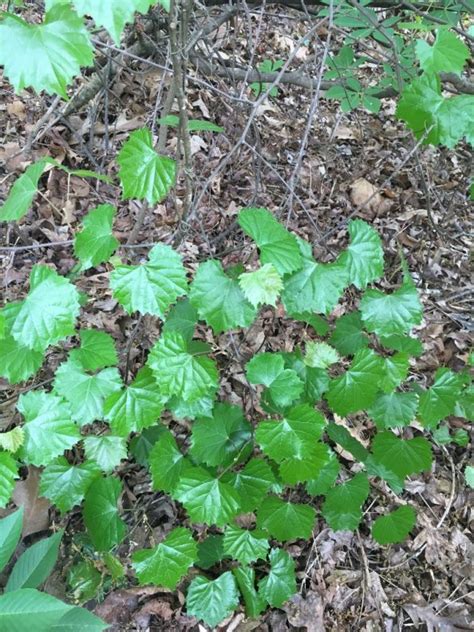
[419,205]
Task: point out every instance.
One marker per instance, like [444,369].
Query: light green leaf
[277,246]
[219,299]
[44,56]
[468,474]
[212,601]
[144,174]
[263,286]
[269,369]
[95,243]
[395,370]
[251,483]
[220,439]
[10,533]
[245,546]
[404,457]
[180,373]
[448,53]
[30,609]
[79,620]
[182,318]
[168,562]
[12,440]
[439,401]
[363,258]
[35,564]
[303,468]
[65,485]
[326,477]
[101,517]
[49,429]
[393,410]
[342,508]
[150,288]
[105,450]
[254,603]
[285,520]
[23,190]
[97,350]
[320,355]
[194,125]
[8,475]
[167,463]
[356,389]
[395,526]
[280,584]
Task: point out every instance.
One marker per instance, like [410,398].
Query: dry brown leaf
[36,509]
[365,196]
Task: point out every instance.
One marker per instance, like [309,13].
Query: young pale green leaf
[251,483]
[212,601]
[326,477]
[356,389]
[395,370]
[85,393]
[393,410]
[285,520]
[194,125]
[303,468]
[44,56]
[404,457]
[245,546]
[448,53]
[8,475]
[363,258]
[106,451]
[180,373]
[220,439]
[168,562]
[210,551]
[341,435]
[254,603]
[263,286]
[439,401]
[97,350]
[404,344]
[182,409]
[79,620]
[182,318]
[348,335]
[101,516]
[219,299]
[48,314]
[35,564]
[144,174]
[207,498]
[12,440]
[135,407]
[22,192]
[167,463]
[49,429]
[65,485]
[395,526]
[280,583]
[284,385]
[320,355]
[30,609]
[150,288]
[342,507]
[10,533]
[468,474]
[277,246]
[95,243]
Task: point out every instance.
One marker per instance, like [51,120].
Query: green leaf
[318,323]
[342,508]
[348,335]
[8,475]
[395,526]
[194,125]
[220,439]
[448,53]
[48,314]
[206,498]
[29,609]
[219,299]
[49,429]
[10,533]
[101,517]
[254,603]
[105,450]
[285,520]
[393,410]
[212,601]
[44,56]
[97,350]
[135,407]
[263,286]
[326,476]
[210,551]
[142,444]
[303,468]
[168,562]
[150,288]
[356,389]
[316,381]
[320,355]
[95,243]
[167,463]
[79,620]
[245,546]
[341,435]
[395,370]
[404,457]
[363,258]
[180,373]
[23,190]
[277,246]
[65,485]
[85,393]
[280,584]
[269,369]
[35,564]
[468,474]
[251,483]
[439,401]
[144,174]
[404,344]
[182,318]
[12,440]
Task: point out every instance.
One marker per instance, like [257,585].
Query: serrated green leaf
[251,483]
[49,429]
[65,485]
[191,409]
[280,584]
[30,609]
[439,401]
[10,533]
[395,370]
[320,355]
[182,318]
[79,620]
[404,457]
[245,546]
[97,350]
[300,469]
[35,564]
[105,450]
[254,603]
[395,526]
[393,410]
[212,601]
[168,562]
[348,335]
[448,53]
[8,475]
[219,299]
[142,444]
[95,243]
[167,463]
[84,580]
[356,389]
[341,435]
[326,477]
[180,373]
[465,403]
[263,286]
[363,258]
[101,516]
[210,551]
[144,174]
[404,344]
[150,288]
[316,381]
[23,190]
[44,56]
[12,440]
[269,369]
[342,508]
[285,520]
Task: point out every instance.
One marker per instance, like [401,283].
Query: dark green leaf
[285,520]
